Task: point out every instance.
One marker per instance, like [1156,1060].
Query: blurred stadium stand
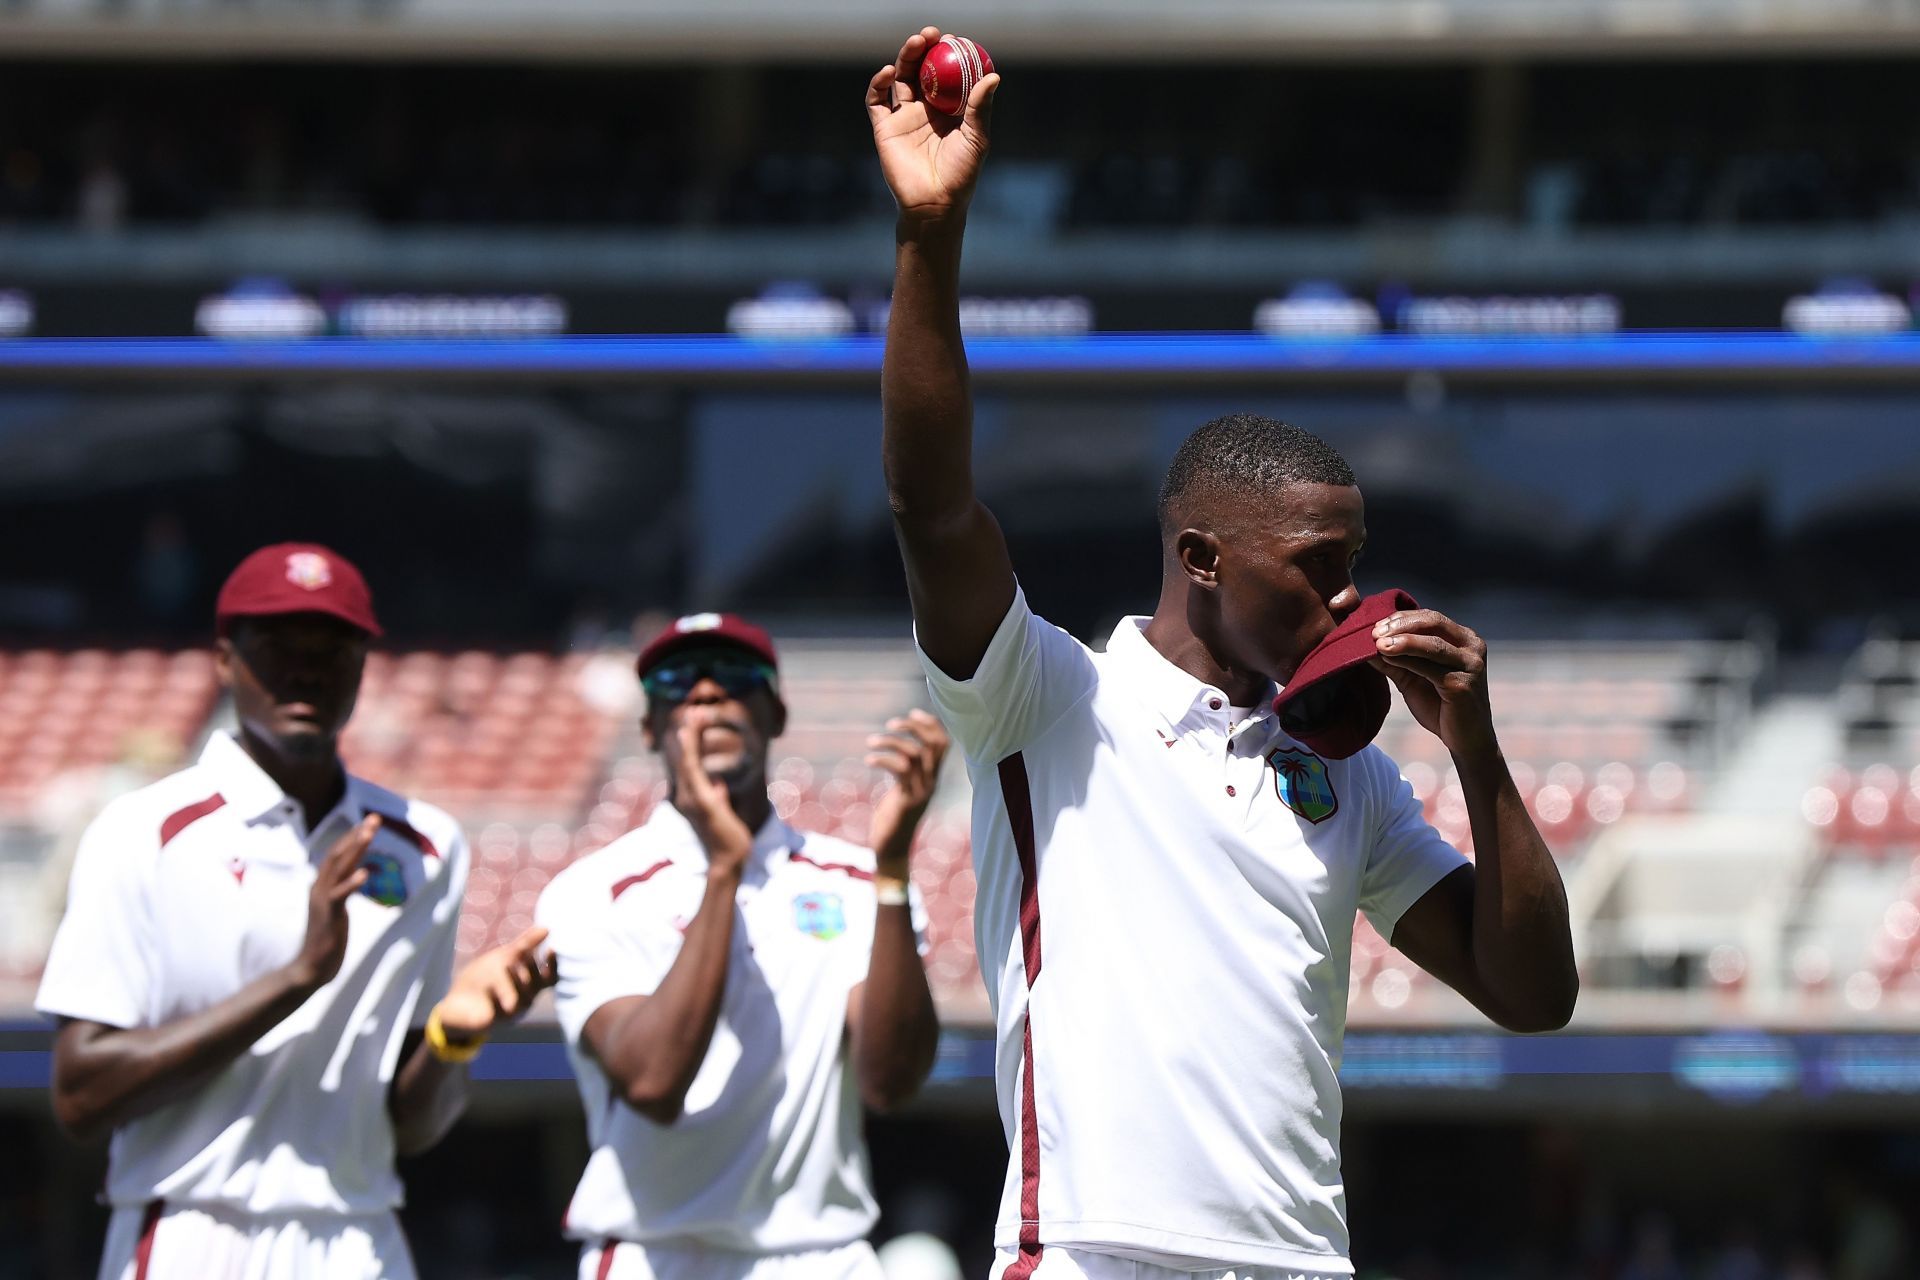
[1584,145]
[1596,173]
[1620,751]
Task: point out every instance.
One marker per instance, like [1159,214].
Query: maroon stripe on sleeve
[180,820]
[605,1268]
[1014,792]
[143,1252]
[621,886]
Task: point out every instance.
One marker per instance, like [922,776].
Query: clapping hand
[911,750]
[498,986]
[701,800]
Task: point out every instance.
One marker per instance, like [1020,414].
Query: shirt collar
[251,793]
[1177,696]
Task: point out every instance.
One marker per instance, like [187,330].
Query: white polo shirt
[767,1157]
[1164,921]
[184,892]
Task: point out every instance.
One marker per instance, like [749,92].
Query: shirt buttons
[1214,703]
[1231,791]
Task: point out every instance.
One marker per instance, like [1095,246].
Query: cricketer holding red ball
[1168,874]
[254,977]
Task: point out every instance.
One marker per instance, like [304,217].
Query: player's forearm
[925,391]
[658,1047]
[426,1097]
[1522,935]
[105,1076]
[898,1032]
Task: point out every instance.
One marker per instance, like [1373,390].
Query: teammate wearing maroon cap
[732,988]
[1168,877]
[253,978]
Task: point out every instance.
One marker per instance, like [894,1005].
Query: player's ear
[224,660]
[1199,556]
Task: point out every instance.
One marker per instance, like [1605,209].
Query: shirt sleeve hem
[1005,636]
[1386,918]
[80,1011]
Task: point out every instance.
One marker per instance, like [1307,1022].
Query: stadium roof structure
[691,31]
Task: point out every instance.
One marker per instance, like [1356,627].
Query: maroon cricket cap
[296,577]
[1336,703]
[706,631]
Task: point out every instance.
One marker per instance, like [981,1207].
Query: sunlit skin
[735,736]
[1248,591]
[1249,582]
[294,679]
[715,745]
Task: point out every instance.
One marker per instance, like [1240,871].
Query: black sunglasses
[674,679]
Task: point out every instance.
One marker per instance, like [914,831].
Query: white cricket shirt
[1164,921]
[767,1157]
[184,892]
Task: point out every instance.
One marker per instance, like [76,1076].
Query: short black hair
[1242,453]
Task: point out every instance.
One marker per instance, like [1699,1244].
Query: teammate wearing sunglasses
[732,989]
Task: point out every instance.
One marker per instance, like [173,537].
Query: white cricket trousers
[1059,1263]
[624,1260]
[201,1242]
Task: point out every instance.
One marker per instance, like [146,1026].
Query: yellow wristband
[445,1049]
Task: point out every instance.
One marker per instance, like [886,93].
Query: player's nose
[1344,601]
[707,691]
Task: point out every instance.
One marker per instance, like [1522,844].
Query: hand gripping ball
[949,72]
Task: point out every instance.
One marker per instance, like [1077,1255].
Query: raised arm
[652,1046]
[958,575]
[105,1076]
[890,1016]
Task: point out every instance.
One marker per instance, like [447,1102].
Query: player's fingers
[1424,620]
[526,978]
[351,885]
[889,759]
[906,736]
[880,92]
[529,939]
[906,64]
[1435,649]
[346,851]
[918,725]
[1402,678]
[1431,672]
[547,969]
[931,730]
[922,737]
[979,113]
[686,750]
[506,996]
[344,859]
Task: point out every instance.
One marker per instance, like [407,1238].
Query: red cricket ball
[949,72]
